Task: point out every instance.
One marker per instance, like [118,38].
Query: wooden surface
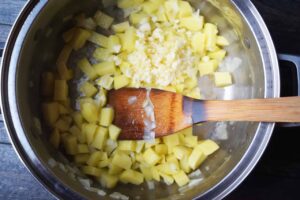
[277,175]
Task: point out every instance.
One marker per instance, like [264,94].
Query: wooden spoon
[174,112]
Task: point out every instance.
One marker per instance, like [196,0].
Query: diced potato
[210,31]
[47,84]
[161,149]
[185,9]
[50,112]
[79,39]
[222,41]
[107,116]
[114,132]
[151,143]
[108,181]
[206,68]
[122,160]
[139,146]
[94,158]
[223,79]
[132,176]
[171,158]
[190,141]
[196,158]
[208,147]
[218,55]
[169,168]
[70,144]
[55,138]
[85,66]
[193,23]
[88,89]
[184,165]
[126,3]
[90,112]
[82,148]
[198,43]
[114,44]
[155,174]
[99,39]
[114,169]
[171,141]
[77,117]
[151,157]
[195,93]
[105,68]
[161,16]
[181,151]
[128,40]
[120,81]
[106,82]
[64,72]
[63,110]
[74,130]
[127,145]
[150,7]
[62,125]
[103,20]
[100,138]
[64,55]
[103,163]
[81,158]
[181,178]
[190,83]
[87,23]
[89,130]
[171,9]
[121,27]
[137,18]
[102,54]
[187,131]
[147,172]
[60,90]
[167,178]
[93,171]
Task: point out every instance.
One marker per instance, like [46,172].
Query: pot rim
[60,190]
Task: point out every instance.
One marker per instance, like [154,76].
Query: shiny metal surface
[31,50]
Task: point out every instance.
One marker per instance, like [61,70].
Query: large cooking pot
[34,44]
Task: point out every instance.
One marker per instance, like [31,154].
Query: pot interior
[44,41]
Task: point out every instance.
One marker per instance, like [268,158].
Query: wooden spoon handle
[286,109]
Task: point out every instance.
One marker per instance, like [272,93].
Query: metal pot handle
[296,61]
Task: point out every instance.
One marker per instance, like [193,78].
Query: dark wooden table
[277,175]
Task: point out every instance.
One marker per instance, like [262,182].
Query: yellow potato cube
[63,110]
[171,158]
[180,152]
[81,158]
[77,117]
[64,55]
[121,27]
[55,138]
[187,131]
[155,174]
[101,98]
[210,31]
[161,149]
[139,146]
[171,9]
[168,168]
[128,40]
[190,141]
[132,176]
[184,165]
[151,157]
[151,143]
[70,144]
[208,147]
[190,83]
[171,141]
[150,7]
[161,16]
[181,178]
[82,148]
[107,180]
[62,125]
[127,145]
[196,158]
[120,81]
[107,116]
[206,68]
[105,68]
[102,54]
[100,138]
[193,23]
[88,89]
[137,18]
[146,171]
[198,43]
[222,41]
[103,163]
[89,131]
[122,160]
[79,39]
[50,112]
[185,9]
[47,84]
[167,178]
[94,158]
[106,82]
[60,90]
[223,79]
[64,72]
[114,132]
[103,20]
[218,55]
[90,112]
[93,171]
[85,66]
[195,93]
[114,169]
[87,23]
[99,39]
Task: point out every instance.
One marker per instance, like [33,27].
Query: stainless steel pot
[34,44]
